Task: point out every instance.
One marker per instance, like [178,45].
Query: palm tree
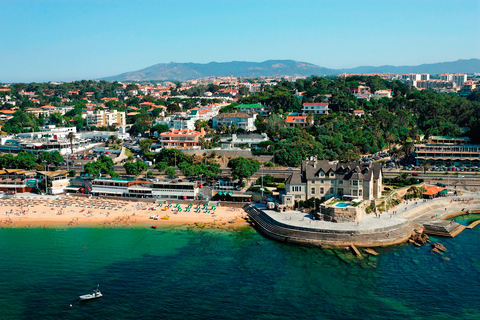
[408,147]
[70,137]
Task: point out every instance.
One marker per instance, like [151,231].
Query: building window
[355,182]
[360,193]
[355,192]
[331,191]
[321,190]
[322,174]
[313,190]
[340,181]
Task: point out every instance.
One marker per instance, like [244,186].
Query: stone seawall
[329,238]
[434,204]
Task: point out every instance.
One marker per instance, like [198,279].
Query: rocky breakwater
[418,238]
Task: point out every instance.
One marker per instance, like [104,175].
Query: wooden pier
[355,250]
[473,224]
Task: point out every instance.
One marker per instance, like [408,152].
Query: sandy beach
[72,211]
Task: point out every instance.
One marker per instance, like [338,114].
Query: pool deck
[300,219]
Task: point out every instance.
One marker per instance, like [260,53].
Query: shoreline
[71,211]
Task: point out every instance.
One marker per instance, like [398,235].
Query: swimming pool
[342,204]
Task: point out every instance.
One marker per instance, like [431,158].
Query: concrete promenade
[394,226]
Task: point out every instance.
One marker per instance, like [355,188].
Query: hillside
[188,71]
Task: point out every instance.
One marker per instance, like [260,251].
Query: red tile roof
[181,132]
[432,190]
[291,119]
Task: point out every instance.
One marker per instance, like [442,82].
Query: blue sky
[57,40]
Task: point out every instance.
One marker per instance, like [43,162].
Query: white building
[250,140]
[242,120]
[145,189]
[316,108]
[102,118]
[57,181]
[382,94]
[459,79]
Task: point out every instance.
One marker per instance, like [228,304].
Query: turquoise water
[175,273]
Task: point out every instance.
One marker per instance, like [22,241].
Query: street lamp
[262,181]
[46,176]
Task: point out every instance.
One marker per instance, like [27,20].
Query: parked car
[415,174]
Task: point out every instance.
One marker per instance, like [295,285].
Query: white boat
[95,294]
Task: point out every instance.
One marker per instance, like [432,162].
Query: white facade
[239,140]
[145,189]
[241,119]
[315,108]
[382,94]
[120,134]
[102,118]
[459,79]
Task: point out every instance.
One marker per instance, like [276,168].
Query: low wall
[435,204]
[231,154]
[329,238]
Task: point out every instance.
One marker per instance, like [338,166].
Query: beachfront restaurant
[17,180]
[434,192]
[232,197]
[57,181]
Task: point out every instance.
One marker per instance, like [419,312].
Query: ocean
[181,273]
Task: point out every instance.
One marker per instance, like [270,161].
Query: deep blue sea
[176,273]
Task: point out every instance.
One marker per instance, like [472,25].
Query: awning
[73,188]
[112,192]
[238,195]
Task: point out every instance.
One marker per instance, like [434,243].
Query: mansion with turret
[324,180]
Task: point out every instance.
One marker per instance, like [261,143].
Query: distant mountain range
[270,68]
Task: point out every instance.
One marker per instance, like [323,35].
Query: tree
[145,144]
[171,172]
[70,137]
[161,166]
[243,168]
[408,147]
[56,118]
[273,125]
[50,158]
[159,128]
[135,168]
[112,138]
[233,128]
